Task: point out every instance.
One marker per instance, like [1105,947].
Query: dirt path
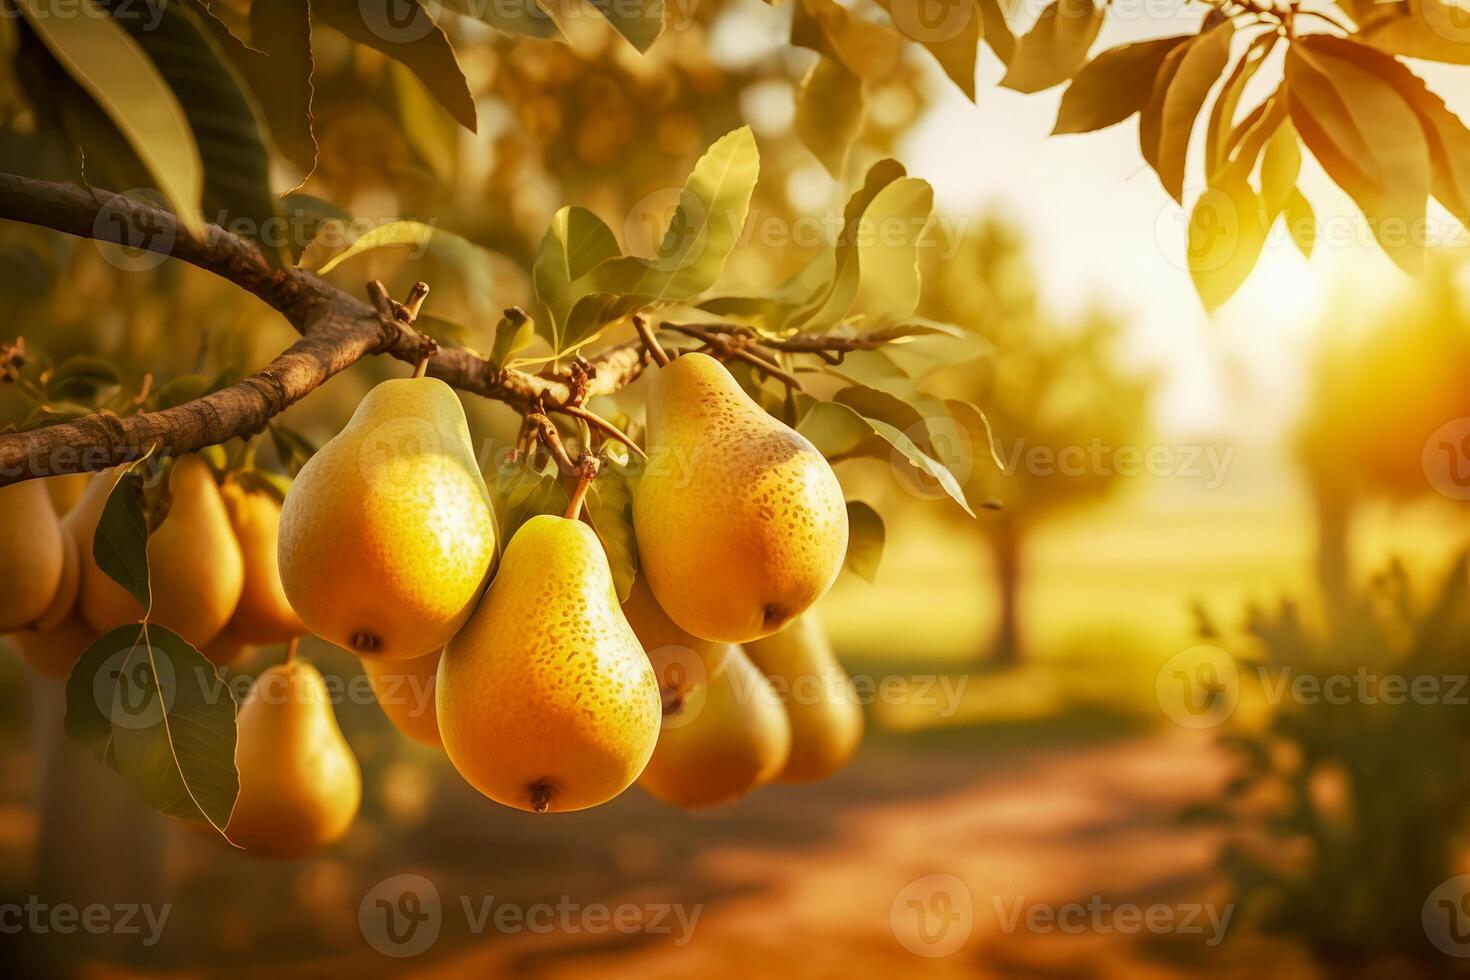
[1083,830]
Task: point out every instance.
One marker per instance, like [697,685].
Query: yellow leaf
[1199,68]
[1056,48]
[1226,235]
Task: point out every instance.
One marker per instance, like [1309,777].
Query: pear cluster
[516,658]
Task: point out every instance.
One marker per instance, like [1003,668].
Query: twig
[605,427]
[645,334]
[588,466]
[551,439]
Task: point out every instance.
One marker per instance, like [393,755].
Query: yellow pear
[741,523]
[32,556]
[300,785]
[724,730]
[387,534]
[263,615]
[826,718]
[68,589]
[194,561]
[405,692]
[545,698]
[66,491]
[54,652]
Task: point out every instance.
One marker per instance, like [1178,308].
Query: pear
[68,589]
[32,554]
[545,698]
[724,730]
[300,785]
[826,718]
[66,491]
[741,523]
[55,651]
[263,615]
[387,534]
[194,562]
[405,692]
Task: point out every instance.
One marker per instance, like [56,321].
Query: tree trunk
[1334,559]
[1006,545]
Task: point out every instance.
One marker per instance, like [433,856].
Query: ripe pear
[54,652]
[263,615]
[405,692]
[66,491]
[545,698]
[387,533]
[68,589]
[826,718]
[32,554]
[724,730]
[741,523]
[194,561]
[300,785]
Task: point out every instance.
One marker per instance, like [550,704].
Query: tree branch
[337,331]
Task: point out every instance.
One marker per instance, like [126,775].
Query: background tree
[1060,404]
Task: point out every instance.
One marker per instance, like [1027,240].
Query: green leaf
[1448,139]
[835,429]
[429,128]
[513,333]
[829,113]
[978,424]
[575,243]
[640,21]
[458,253]
[1056,47]
[1281,165]
[81,378]
[870,51]
[120,546]
[237,189]
[888,247]
[922,462]
[610,511]
[1367,138]
[415,40]
[1200,66]
[177,391]
[1431,30]
[1222,116]
[153,708]
[1301,222]
[100,55]
[832,303]
[292,448]
[524,17]
[1227,232]
[865,535]
[705,227]
[1116,84]
[522,493]
[874,403]
[953,38]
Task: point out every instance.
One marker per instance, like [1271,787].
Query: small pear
[66,491]
[826,717]
[32,555]
[300,785]
[724,730]
[741,522]
[405,692]
[545,698]
[387,534]
[68,589]
[263,615]
[194,561]
[54,652]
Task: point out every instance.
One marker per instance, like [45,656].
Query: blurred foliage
[1348,811]
[1059,402]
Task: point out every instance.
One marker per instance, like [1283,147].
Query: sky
[1102,229]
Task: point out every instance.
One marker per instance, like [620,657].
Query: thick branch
[337,331]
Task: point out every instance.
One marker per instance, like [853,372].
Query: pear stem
[422,367]
[291,646]
[588,466]
[645,334]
